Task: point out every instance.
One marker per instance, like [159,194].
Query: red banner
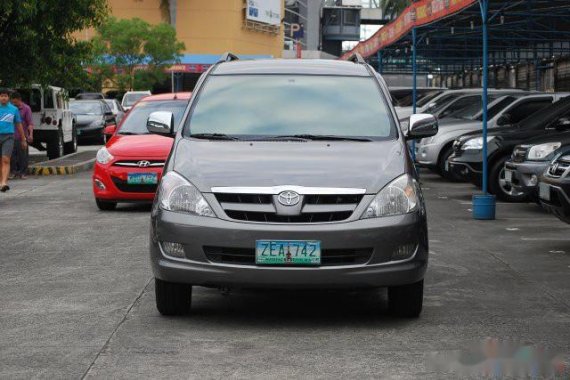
[420,13]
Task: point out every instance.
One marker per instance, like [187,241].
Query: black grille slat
[329,257]
[274,218]
[128,188]
[228,201]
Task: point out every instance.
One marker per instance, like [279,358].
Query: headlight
[476,143]
[103,156]
[397,198]
[540,152]
[177,194]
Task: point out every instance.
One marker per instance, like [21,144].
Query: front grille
[140,163]
[519,153]
[127,188]
[320,208]
[271,217]
[246,256]
[558,168]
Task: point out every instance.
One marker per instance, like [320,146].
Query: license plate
[288,252]
[142,179]
[509,176]
[544,191]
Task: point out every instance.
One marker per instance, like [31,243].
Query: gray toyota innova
[289,174]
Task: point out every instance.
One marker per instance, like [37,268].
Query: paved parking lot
[78,299]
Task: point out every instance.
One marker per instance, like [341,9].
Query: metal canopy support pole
[379,57]
[414,84]
[484,205]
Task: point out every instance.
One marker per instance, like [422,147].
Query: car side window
[525,109]
[48,98]
[457,105]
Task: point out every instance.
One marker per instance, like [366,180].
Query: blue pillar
[379,57]
[484,205]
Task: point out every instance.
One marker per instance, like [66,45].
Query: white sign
[265,11]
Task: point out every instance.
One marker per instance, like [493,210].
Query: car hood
[363,165]
[87,119]
[140,146]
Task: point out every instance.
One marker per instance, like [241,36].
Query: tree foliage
[37,40]
[132,54]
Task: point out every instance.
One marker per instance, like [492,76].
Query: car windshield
[135,121]
[288,105]
[86,108]
[423,96]
[438,104]
[112,104]
[131,99]
[473,110]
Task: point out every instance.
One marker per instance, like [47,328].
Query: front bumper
[89,131]
[114,179]
[558,201]
[467,168]
[525,176]
[427,155]
[381,235]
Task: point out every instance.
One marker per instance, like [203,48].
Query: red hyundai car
[129,168]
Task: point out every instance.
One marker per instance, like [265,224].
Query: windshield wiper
[213,136]
[322,137]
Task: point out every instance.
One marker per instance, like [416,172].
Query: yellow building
[207,27]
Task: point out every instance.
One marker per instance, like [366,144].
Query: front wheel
[105,205]
[172,298]
[55,145]
[499,186]
[71,147]
[406,300]
[443,166]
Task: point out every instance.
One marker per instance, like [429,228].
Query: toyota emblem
[143,164]
[288,198]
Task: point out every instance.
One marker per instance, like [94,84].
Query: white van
[54,123]
[131,97]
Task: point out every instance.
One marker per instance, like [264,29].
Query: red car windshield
[135,122]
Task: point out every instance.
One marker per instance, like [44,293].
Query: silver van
[289,174]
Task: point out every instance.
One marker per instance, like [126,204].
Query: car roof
[169,96]
[292,66]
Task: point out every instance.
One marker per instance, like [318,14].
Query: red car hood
[140,146]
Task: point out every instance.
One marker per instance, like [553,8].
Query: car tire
[71,147]
[172,298]
[406,300]
[498,186]
[105,205]
[444,155]
[55,146]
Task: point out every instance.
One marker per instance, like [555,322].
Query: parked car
[92,117]
[89,96]
[117,109]
[530,160]
[404,106]
[254,195]
[554,187]
[131,97]
[54,123]
[129,167]
[467,160]
[433,153]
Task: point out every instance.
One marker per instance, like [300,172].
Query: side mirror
[109,131]
[161,123]
[563,123]
[422,125]
[504,119]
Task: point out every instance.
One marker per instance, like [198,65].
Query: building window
[350,17]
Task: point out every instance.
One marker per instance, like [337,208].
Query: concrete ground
[77,298]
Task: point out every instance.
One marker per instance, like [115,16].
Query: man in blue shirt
[9,121]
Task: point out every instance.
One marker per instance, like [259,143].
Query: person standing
[9,122]
[19,162]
